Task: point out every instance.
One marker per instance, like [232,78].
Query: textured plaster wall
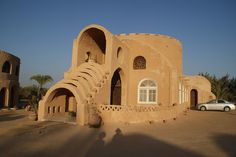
[90,82]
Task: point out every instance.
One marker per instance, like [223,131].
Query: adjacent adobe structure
[124,78]
[9,79]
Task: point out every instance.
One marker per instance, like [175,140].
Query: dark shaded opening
[6,67]
[193,98]
[2,97]
[99,37]
[12,98]
[17,70]
[116,88]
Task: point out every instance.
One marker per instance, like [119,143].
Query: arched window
[147,92]
[139,63]
[6,67]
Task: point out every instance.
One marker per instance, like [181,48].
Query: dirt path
[194,134]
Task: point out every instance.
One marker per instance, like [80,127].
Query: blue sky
[41,32]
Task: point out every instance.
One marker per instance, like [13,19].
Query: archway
[116,84]
[92,46]
[62,106]
[193,98]
[3,97]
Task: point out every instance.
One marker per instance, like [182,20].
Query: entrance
[3,97]
[116,85]
[12,98]
[193,98]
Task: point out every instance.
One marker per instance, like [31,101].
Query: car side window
[212,102]
[221,101]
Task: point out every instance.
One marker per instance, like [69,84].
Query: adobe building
[126,78]
[9,79]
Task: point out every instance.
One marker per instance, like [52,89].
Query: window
[139,63]
[49,109]
[53,109]
[6,67]
[58,109]
[221,101]
[147,92]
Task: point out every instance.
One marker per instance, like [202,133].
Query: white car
[220,104]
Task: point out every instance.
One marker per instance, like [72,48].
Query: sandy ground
[196,133]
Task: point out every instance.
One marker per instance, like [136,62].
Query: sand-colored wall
[201,85]
[90,78]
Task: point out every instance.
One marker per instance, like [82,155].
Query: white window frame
[147,89]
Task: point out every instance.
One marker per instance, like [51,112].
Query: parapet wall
[139,113]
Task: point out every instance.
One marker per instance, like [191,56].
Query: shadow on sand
[135,145]
[227,143]
[10,117]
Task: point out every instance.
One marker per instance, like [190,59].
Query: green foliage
[35,92]
[223,87]
[41,81]
[27,92]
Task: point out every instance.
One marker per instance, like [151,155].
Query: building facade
[9,79]
[124,78]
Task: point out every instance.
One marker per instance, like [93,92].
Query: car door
[212,105]
[221,104]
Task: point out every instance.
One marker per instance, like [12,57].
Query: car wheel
[226,109]
[203,108]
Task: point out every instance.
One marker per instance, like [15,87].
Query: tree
[220,87]
[232,90]
[223,88]
[41,81]
[27,92]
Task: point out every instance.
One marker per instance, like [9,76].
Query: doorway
[3,97]
[193,98]
[116,84]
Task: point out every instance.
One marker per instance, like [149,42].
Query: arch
[116,88]
[139,63]
[3,94]
[120,55]
[92,46]
[62,105]
[6,68]
[147,92]
[81,113]
[193,98]
[77,85]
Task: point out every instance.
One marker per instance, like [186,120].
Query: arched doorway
[6,67]
[62,106]
[116,84]
[193,98]
[3,97]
